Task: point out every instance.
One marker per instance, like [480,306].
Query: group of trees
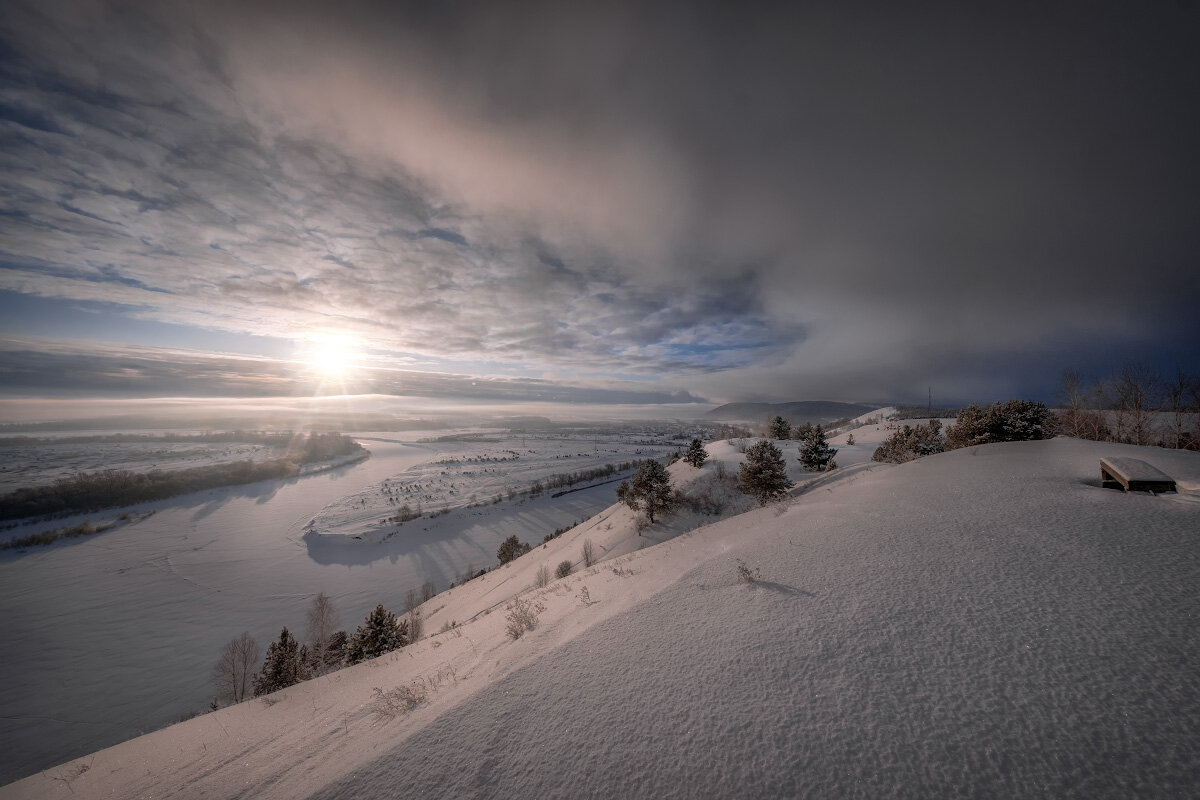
[111,488]
[649,490]
[238,676]
[1008,421]
[1135,405]
[909,443]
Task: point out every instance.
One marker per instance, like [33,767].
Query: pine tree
[764,474]
[381,633]
[802,432]
[696,454]
[780,428]
[815,452]
[511,548]
[283,666]
[649,490]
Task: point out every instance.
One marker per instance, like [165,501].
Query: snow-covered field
[986,622]
[113,635]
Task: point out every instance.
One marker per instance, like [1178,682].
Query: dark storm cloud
[769,201]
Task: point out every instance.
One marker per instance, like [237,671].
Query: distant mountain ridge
[813,412]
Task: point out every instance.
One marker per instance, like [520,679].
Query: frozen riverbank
[114,635]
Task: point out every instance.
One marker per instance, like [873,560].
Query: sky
[672,204]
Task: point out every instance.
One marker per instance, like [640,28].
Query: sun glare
[332,357]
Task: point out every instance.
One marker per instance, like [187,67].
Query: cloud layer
[791,203]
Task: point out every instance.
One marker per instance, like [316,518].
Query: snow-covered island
[982,622]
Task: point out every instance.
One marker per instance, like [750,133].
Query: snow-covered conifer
[764,474]
[696,454]
[815,452]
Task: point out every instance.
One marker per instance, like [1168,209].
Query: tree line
[86,492]
[1135,404]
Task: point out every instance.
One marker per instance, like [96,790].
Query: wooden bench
[1134,475]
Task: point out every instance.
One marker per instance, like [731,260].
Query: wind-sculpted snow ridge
[985,622]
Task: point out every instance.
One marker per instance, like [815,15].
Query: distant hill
[799,412]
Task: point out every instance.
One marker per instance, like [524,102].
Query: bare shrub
[589,553]
[427,591]
[522,617]
[745,574]
[585,596]
[542,578]
[401,700]
[233,674]
[564,569]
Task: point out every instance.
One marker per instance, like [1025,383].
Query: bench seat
[1134,475]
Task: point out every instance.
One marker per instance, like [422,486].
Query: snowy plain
[114,635]
[986,622]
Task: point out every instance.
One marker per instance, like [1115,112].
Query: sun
[331,358]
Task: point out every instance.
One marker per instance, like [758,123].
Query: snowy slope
[987,622]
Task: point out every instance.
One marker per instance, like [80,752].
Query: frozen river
[114,635]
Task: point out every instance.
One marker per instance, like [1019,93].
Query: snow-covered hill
[986,622]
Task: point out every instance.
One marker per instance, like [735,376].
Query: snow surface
[114,635]
[985,622]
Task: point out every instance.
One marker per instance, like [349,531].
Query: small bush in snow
[522,616]
[542,579]
[745,574]
[401,700]
[589,553]
[564,569]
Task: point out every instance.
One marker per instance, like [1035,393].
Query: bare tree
[412,603]
[1096,421]
[411,600]
[427,591]
[322,625]
[1072,397]
[233,674]
[1136,388]
[1179,398]
[589,553]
